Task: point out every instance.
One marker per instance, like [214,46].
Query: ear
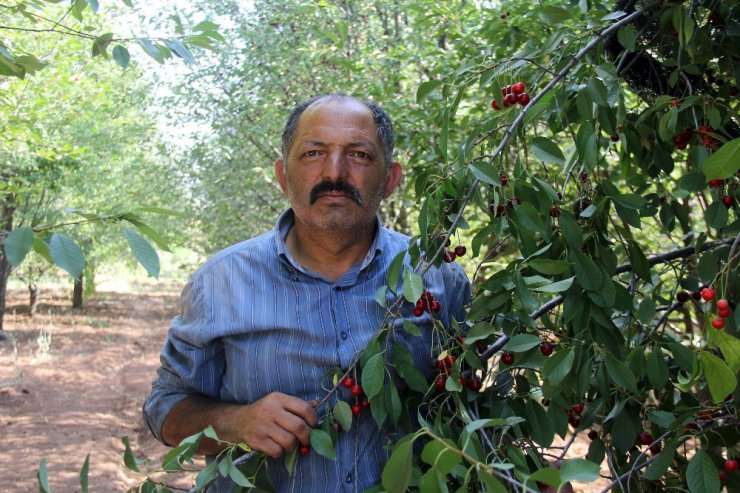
[392,178]
[281,175]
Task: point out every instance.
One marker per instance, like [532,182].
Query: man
[263,321]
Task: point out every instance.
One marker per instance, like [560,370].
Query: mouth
[335,192]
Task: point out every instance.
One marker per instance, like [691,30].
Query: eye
[311,153]
[361,155]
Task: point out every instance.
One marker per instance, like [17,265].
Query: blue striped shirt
[254,321]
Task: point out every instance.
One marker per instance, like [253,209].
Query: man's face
[335,177]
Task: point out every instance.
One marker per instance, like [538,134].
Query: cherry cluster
[727,199]
[444,365]
[513,94]
[361,401]
[681,141]
[574,414]
[427,301]
[451,255]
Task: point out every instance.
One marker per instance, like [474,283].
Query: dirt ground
[72,383]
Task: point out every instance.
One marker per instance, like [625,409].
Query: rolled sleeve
[191,361]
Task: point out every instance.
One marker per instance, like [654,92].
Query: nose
[335,166]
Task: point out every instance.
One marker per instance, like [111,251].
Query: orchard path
[72,382]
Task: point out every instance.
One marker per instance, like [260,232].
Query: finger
[295,425]
[270,448]
[286,440]
[303,409]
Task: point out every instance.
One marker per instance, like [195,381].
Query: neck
[329,253]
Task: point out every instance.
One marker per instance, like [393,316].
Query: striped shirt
[254,321]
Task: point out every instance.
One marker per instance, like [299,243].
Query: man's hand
[273,425]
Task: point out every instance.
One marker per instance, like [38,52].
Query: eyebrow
[354,143]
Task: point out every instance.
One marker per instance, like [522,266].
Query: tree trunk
[77,292]
[6,222]
[33,299]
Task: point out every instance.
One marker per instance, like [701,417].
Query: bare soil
[73,381]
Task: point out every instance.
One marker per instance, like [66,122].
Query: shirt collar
[286,220]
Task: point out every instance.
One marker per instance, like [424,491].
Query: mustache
[335,186]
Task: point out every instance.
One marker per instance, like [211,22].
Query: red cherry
[418,312]
[435,306]
[696,295]
[731,465]
[356,409]
[728,200]
[614,138]
[509,100]
[460,250]
[716,183]
[593,434]
[502,17]
[555,211]
[504,179]
[501,210]
[348,382]
[449,360]
[507,358]
[723,313]
[645,438]
[704,129]
[364,403]
[441,382]
[304,450]
[655,448]
[682,296]
[577,408]
[723,304]
[722,476]
[356,390]
[475,385]
[448,257]
[707,294]
[583,176]
[574,420]
[523,99]
[674,102]
[718,323]
[546,348]
[506,90]
[337,426]
[518,88]
[495,105]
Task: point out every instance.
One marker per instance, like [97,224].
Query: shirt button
[349,478]
[344,335]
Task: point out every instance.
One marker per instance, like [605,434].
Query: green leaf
[729,345]
[67,255]
[558,366]
[17,245]
[425,88]
[493,485]
[626,37]
[639,261]
[373,374]
[553,15]
[148,231]
[571,230]
[396,474]
[84,474]
[657,369]
[394,272]
[143,251]
[343,415]
[661,463]
[290,460]
[205,26]
[93,5]
[485,172]
[151,49]
[587,272]
[43,477]
[549,267]
[380,295]
[621,374]
[128,456]
[717,215]
[206,475]
[528,217]
[701,474]
[556,287]
[322,444]
[579,470]
[522,342]
[692,182]
[723,163]
[179,49]
[413,285]
[539,423]
[121,55]
[720,378]
[547,150]
[442,457]
[586,145]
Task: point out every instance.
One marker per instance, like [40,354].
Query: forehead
[337,120]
